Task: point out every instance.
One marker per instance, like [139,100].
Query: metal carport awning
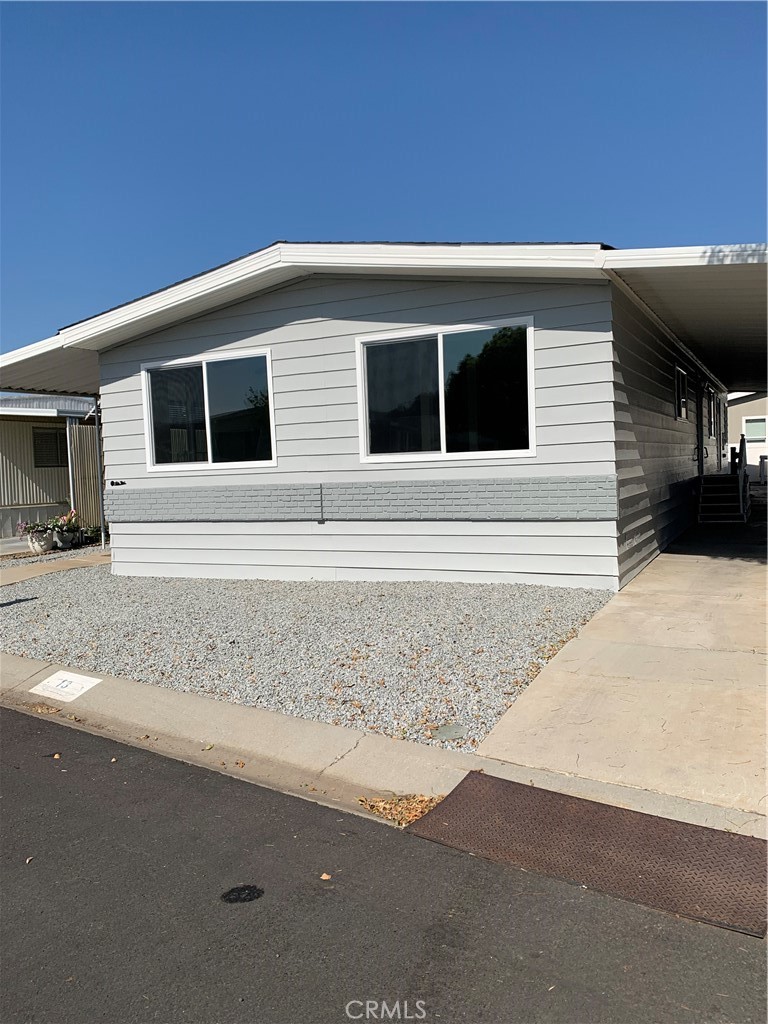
[48,368]
[714,303]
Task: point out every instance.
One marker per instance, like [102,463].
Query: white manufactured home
[522,413]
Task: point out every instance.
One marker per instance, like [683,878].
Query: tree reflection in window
[486,390]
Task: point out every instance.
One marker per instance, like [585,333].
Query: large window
[459,392]
[215,411]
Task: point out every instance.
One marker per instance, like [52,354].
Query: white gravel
[403,659]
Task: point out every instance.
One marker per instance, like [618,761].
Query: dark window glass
[238,404]
[178,414]
[681,394]
[49,448]
[403,398]
[486,390]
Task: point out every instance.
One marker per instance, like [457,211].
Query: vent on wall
[50,448]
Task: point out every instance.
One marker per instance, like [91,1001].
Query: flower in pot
[39,536]
[64,528]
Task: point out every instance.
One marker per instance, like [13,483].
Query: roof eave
[281,263]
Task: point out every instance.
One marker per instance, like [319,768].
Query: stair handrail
[741,468]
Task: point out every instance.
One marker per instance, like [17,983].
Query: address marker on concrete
[65,686]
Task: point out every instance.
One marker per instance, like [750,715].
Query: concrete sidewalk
[15,571]
[663,690]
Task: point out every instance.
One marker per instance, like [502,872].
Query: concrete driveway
[664,689]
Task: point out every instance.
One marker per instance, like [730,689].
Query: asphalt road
[118,915]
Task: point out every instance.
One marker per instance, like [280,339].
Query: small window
[712,412]
[754,429]
[457,392]
[215,412]
[681,394]
[49,448]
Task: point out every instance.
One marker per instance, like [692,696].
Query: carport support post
[102,522]
[70,463]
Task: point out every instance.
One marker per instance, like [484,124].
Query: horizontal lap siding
[655,462]
[310,329]
[559,554]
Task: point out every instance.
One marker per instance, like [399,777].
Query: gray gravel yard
[434,662]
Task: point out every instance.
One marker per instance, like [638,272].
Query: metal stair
[720,500]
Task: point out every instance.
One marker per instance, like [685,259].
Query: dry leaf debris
[45,709]
[402,810]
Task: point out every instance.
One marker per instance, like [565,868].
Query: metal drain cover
[697,872]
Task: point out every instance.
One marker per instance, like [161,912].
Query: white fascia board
[29,412]
[35,348]
[440,257]
[56,413]
[185,299]
[684,256]
[284,262]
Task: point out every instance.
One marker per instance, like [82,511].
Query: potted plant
[39,536]
[64,528]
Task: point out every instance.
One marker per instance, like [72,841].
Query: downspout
[102,520]
[70,463]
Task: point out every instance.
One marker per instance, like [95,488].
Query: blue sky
[144,142]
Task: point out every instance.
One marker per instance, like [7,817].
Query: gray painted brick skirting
[531,499]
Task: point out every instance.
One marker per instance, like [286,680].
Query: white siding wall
[574,554]
[310,329]
[737,411]
[655,452]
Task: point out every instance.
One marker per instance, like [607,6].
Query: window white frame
[209,466]
[754,440]
[681,381]
[711,411]
[432,331]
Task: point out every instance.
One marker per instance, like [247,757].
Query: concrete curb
[329,764]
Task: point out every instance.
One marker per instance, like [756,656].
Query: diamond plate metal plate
[696,872]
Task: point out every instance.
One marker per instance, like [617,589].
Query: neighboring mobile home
[48,460]
[747,415]
[523,413]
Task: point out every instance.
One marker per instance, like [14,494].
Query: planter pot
[63,539]
[40,543]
